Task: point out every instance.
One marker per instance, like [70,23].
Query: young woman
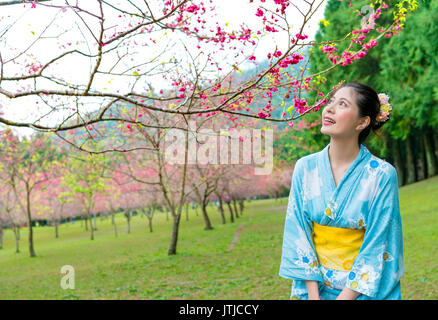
[343,233]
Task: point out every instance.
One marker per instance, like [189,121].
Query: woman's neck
[343,152]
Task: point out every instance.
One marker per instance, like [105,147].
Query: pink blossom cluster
[273,19]
[328,49]
[370,44]
[284,4]
[293,59]
[271,29]
[184,22]
[33,68]
[248,96]
[347,56]
[300,105]
[320,103]
[193,9]
[301,36]
[266,111]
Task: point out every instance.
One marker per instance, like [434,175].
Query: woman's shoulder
[309,159]
[306,163]
[381,167]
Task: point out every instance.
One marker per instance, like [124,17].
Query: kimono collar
[338,194]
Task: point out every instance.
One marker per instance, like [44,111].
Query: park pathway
[236,237]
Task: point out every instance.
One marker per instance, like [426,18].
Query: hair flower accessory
[385,108]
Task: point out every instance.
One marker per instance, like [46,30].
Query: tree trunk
[91,228]
[241,205]
[435,142]
[221,209]
[187,212]
[128,219]
[398,161]
[410,162]
[86,223]
[420,157]
[150,222]
[231,212]
[113,221]
[177,216]
[174,238]
[207,221]
[430,155]
[95,222]
[235,208]
[29,222]
[17,238]
[56,229]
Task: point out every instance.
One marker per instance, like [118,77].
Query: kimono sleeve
[299,260]
[378,267]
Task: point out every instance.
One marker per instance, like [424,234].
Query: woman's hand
[348,294]
[312,290]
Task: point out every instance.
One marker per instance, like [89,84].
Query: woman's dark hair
[368,102]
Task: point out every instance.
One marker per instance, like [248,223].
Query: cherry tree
[110,202]
[52,200]
[10,214]
[26,164]
[84,180]
[203,182]
[152,200]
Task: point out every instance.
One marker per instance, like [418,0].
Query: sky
[30,22]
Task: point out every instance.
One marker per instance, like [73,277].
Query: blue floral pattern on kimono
[366,198]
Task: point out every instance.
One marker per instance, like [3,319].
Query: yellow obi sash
[337,248]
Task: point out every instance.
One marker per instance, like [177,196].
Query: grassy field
[136,265]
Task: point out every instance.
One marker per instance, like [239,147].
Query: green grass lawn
[136,265]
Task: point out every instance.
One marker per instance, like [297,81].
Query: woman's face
[343,110]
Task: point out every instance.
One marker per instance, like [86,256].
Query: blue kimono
[348,235]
